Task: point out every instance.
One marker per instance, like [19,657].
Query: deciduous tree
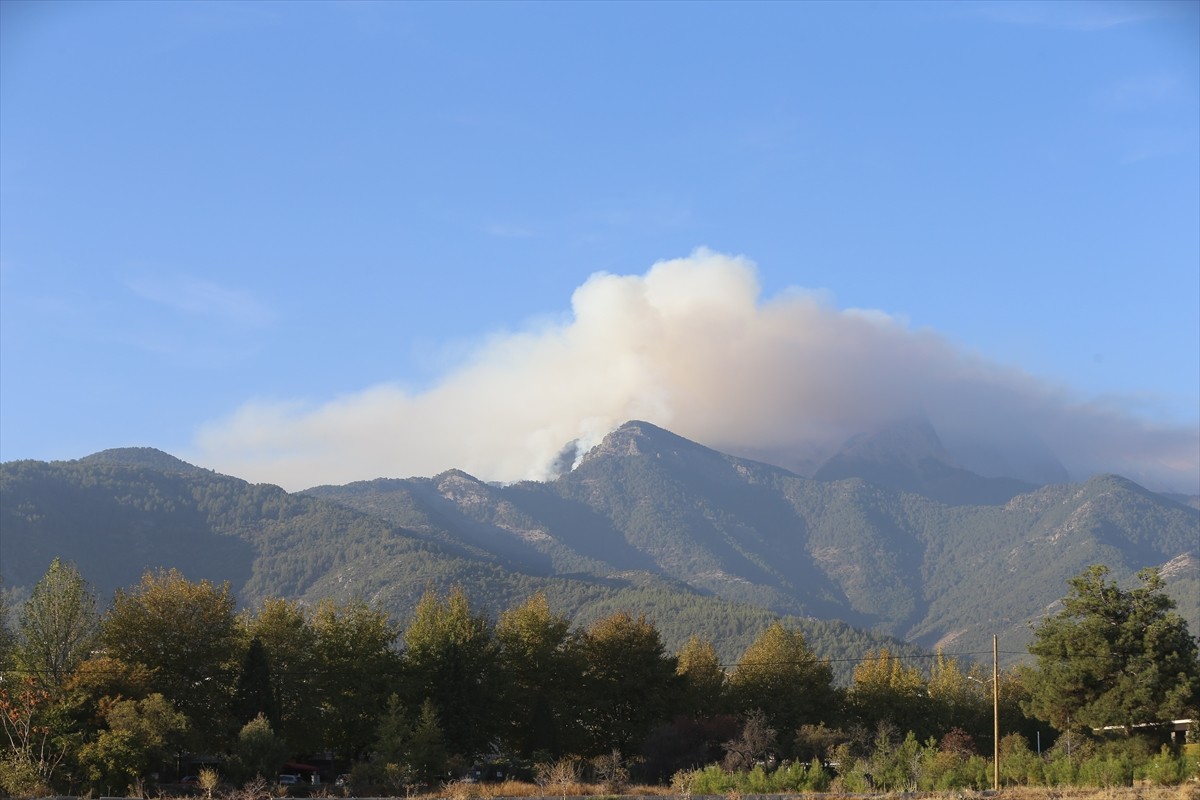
[629,683]
[959,699]
[58,624]
[259,752]
[779,675]
[33,749]
[703,678]
[357,670]
[884,688]
[290,644]
[186,633]
[450,658]
[537,669]
[140,736]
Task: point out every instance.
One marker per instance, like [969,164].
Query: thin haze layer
[692,346]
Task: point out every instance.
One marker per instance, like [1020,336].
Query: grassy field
[511,789]
[517,790]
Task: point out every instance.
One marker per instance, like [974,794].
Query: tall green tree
[186,633]
[58,624]
[427,751]
[779,675]
[254,694]
[537,669]
[629,683]
[408,752]
[450,658]
[290,644]
[1113,656]
[357,668]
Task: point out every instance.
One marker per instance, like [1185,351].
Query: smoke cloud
[693,347]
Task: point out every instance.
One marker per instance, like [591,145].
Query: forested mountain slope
[901,562]
[702,541]
[118,513]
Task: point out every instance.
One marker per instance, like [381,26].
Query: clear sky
[246,232]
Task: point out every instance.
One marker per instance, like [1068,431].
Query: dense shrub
[1165,768]
[1020,766]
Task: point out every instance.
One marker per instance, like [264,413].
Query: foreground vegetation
[170,681]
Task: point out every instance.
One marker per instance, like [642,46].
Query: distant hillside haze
[891,535]
[909,456]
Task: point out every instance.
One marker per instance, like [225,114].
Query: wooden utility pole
[995,712]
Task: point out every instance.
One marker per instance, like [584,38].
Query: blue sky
[246,232]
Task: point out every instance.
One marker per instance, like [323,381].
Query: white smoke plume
[693,347]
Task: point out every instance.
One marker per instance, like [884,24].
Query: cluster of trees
[172,674]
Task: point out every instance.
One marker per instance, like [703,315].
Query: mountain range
[889,543]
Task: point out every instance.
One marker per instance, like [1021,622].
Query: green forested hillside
[879,558]
[117,517]
[701,541]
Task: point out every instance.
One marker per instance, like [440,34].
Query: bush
[895,768]
[1019,766]
[1060,769]
[20,777]
[1105,771]
[1115,762]
[756,781]
[1165,769]
[712,780]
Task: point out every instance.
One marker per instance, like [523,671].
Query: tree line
[171,675]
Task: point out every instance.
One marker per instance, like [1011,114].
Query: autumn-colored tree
[780,676]
[32,753]
[186,634]
[959,699]
[703,678]
[886,689]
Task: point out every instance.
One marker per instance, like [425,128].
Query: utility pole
[995,712]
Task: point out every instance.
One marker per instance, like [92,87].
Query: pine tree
[1113,656]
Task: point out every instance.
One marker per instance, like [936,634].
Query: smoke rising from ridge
[693,347]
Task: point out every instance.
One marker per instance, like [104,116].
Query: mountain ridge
[643,514]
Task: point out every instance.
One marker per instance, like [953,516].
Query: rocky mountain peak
[638,438]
